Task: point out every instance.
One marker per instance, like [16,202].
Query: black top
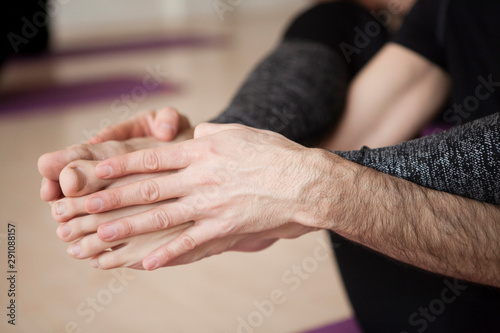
[462,37]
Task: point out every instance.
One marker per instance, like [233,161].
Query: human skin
[70,173]
[355,133]
[77,179]
[128,252]
[266,183]
[383,110]
[145,130]
[413,90]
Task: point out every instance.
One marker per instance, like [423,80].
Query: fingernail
[167,128]
[95,205]
[81,179]
[94,263]
[151,263]
[74,250]
[105,171]
[60,208]
[64,230]
[108,232]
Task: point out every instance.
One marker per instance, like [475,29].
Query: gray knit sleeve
[298,90]
[464,160]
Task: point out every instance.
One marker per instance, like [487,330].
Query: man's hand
[236,183]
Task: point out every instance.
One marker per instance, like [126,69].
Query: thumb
[166,124]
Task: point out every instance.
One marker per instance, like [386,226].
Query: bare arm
[390,100]
[436,231]
[449,223]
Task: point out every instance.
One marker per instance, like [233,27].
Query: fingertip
[58,209]
[50,190]
[95,263]
[103,171]
[74,250]
[165,131]
[63,232]
[41,163]
[72,180]
[150,263]
[43,190]
[51,164]
[93,205]
[107,232]
[44,165]
[166,124]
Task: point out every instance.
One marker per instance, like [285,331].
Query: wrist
[325,190]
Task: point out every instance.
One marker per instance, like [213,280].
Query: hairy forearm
[439,212]
[433,230]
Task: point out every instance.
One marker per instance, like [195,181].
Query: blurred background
[90,75]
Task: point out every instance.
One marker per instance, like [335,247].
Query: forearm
[298,90]
[417,224]
[433,230]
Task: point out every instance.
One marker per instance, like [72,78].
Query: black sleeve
[464,160]
[423,30]
[299,89]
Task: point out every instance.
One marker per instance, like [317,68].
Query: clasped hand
[241,188]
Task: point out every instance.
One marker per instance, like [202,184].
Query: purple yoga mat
[68,95]
[346,326]
[62,96]
[125,47]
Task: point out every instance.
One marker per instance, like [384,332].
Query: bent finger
[166,124]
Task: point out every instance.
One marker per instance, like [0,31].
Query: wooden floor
[228,293]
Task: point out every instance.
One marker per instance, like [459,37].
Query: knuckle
[200,129]
[227,229]
[151,161]
[187,242]
[161,220]
[113,200]
[121,165]
[128,228]
[150,191]
[165,255]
